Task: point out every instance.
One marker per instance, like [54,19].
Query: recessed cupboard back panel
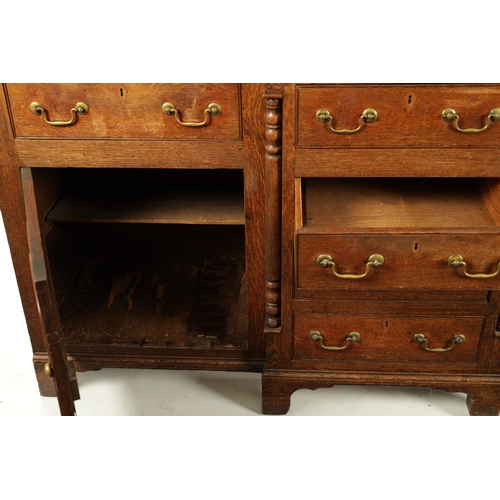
[157,287]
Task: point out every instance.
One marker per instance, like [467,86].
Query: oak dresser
[319,234]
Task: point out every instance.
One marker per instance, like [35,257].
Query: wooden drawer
[388,339]
[408,116]
[411,261]
[126,111]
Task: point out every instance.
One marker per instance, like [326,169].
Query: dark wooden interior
[154,259]
[154,287]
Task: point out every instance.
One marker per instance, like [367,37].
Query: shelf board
[156,203]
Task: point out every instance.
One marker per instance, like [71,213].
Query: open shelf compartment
[146,259]
[163,196]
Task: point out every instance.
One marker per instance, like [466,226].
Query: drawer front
[406,116]
[410,261]
[126,111]
[388,339]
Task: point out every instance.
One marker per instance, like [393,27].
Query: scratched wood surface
[412,261]
[408,115]
[126,110]
[387,338]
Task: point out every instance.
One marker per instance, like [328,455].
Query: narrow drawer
[387,339]
[131,111]
[406,116]
[410,261]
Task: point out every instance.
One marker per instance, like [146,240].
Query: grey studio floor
[182,393]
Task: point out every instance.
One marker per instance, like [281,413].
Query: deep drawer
[410,261]
[126,111]
[388,339]
[407,116]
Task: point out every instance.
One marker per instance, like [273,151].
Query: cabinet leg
[45,383]
[484,401]
[272,405]
[275,396]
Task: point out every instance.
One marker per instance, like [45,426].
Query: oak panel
[394,162]
[126,110]
[407,115]
[412,261]
[130,154]
[387,338]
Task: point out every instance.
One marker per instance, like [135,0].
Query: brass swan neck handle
[80,108]
[213,109]
[368,116]
[375,260]
[451,116]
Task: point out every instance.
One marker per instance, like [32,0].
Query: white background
[262,457]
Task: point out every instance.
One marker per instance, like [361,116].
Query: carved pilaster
[273,208]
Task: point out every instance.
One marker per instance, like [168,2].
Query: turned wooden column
[273,100]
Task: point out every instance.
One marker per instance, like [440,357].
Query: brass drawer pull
[375,260]
[450,115]
[368,116]
[213,109]
[80,109]
[420,338]
[457,261]
[316,336]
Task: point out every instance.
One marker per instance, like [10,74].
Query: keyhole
[121,92]
[409,99]
[387,324]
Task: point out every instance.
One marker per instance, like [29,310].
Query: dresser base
[85,363]
[483,392]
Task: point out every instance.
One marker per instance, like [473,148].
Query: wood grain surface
[407,115]
[129,111]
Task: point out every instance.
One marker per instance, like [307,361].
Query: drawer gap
[371,203]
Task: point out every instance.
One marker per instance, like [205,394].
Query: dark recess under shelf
[140,202]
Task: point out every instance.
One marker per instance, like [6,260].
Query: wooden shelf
[147,202]
[394,203]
